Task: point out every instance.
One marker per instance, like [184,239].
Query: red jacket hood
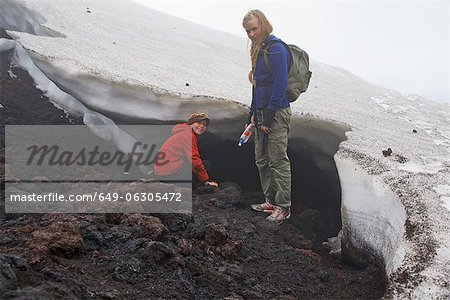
[180,127]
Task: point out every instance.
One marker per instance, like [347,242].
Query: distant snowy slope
[130,43]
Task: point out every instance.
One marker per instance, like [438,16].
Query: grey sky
[397,44]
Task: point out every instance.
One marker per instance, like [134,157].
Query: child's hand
[212,183]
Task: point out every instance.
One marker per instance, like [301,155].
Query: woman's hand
[252,121]
[265,129]
[211,183]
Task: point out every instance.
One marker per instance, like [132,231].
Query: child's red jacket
[180,146]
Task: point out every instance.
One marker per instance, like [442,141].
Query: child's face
[199,127]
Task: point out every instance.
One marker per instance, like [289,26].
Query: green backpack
[299,73]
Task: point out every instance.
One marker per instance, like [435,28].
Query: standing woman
[270,112]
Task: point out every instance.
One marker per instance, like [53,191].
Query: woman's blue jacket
[271,85]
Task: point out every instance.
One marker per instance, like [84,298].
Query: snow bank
[373,217]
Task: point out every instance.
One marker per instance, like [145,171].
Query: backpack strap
[265,48]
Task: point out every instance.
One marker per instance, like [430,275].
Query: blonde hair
[266,29]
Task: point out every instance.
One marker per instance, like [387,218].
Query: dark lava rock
[147,226]
[60,238]
[185,246]
[92,238]
[324,276]
[230,249]
[135,244]
[387,152]
[5,240]
[297,241]
[249,229]
[262,224]
[176,222]
[58,277]
[249,294]
[119,234]
[128,271]
[223,204]
[151,250]
[195,230]
[229,193]
[215,234]
[14,261]
[234,271]
[202,190]
[107,295]
[54,286]
[234,296]
[156,251]
[49,290]
[8,278]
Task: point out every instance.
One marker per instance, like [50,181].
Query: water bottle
[246,135]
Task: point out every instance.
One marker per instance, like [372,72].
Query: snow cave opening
[315,180]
